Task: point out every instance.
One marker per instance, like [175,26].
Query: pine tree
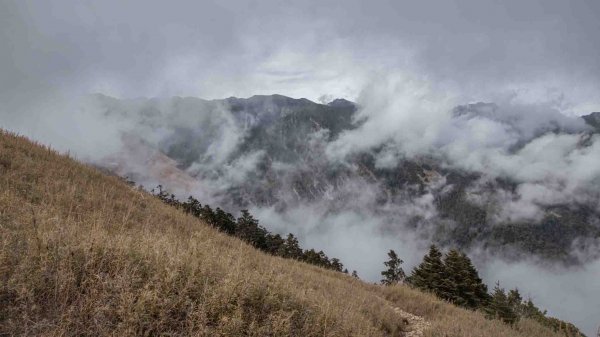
[247,229]
[394,273]
[317,258]
[515,301]
[354,274]
[500,308]
[291,248]
[192,206]
[428,275]
[453,286]
[478,289]
[208,215]
[460,282]
[530,310]
[274,243]
[224,221]
[337,265]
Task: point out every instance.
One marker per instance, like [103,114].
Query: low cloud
[570,293]
[412,70]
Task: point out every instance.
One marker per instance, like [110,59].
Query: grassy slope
[84,254]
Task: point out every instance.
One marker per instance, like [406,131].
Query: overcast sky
[542,49]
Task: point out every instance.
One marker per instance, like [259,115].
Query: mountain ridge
[280,145]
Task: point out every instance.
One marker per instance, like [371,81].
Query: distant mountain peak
[340,103]
[592,119]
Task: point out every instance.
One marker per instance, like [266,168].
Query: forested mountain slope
[278,152]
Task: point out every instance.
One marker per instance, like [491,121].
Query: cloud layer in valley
[413,68]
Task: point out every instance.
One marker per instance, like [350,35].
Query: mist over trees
[248,229]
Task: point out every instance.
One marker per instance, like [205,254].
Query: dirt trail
[416,324]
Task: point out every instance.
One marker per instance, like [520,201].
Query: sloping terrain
[84,254]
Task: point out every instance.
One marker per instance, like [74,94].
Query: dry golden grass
[82,253]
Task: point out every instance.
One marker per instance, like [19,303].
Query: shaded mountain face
[593,120]
[274,153]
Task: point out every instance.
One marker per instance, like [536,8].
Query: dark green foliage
[193,207]
[336,264]
[313,257]
[478,289]
[456,280]
[553,236]
[224,221]
[500,307]
[452,287]
[247,228]
[429,274]
[514,300]
[320,259]
[470,219]
[290,248]
[461,283]
[394,273]
[274,242]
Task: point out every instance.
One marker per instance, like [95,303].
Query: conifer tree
[428,275]
[515,301]
[530,310]
[291,248]
[192,206]
[500,308]
[461,283]
[453,286]
[478,289]
[274,243]
[208,215]
[224,221]
[247,229]
[317,258]
[337,265]
[354,274]
[394,273]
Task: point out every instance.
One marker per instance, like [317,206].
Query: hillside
[82,253]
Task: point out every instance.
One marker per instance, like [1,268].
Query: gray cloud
[532,144]
[569,293]
[218,49]
[407,63]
